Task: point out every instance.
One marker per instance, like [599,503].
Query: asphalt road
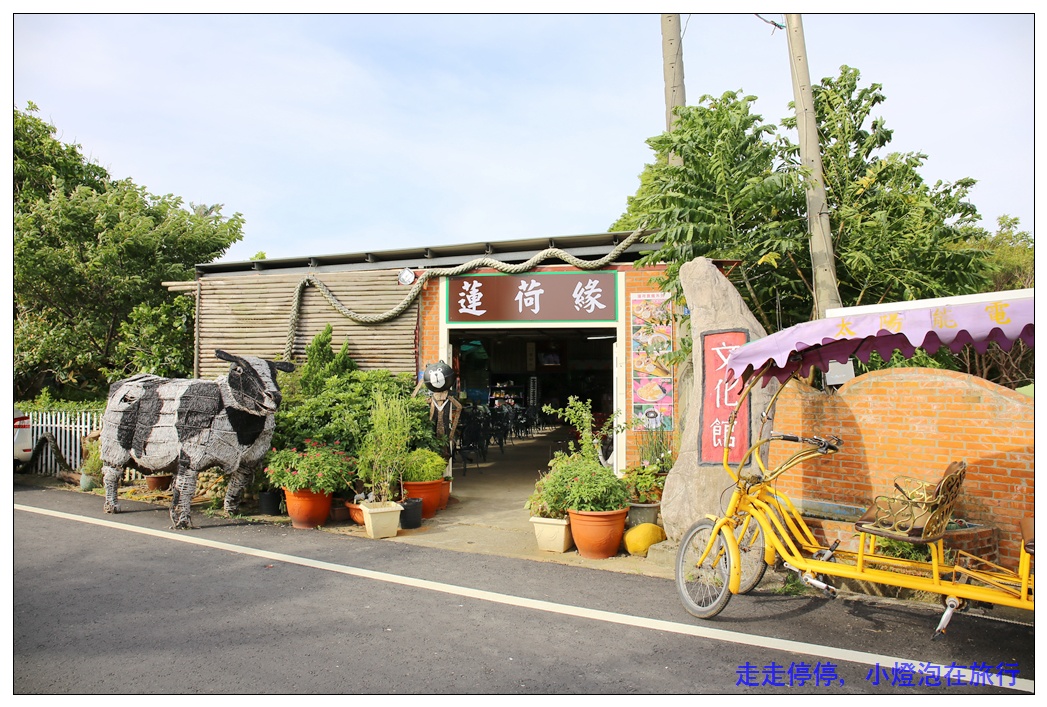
[122,605]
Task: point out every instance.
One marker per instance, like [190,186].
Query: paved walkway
[486,513]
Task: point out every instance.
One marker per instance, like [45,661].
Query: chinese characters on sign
[719,398]
[471,298]
[652,378]
[536,296]
[800,674]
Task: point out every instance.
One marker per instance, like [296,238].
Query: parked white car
[23,438]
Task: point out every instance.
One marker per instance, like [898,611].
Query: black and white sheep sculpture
[184,426]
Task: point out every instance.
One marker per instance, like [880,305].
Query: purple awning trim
[798,348]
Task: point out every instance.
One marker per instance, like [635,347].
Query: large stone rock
[693,488]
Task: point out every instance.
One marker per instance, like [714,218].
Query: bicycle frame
[787,536]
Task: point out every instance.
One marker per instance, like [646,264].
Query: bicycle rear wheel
[703,587]
[750,552]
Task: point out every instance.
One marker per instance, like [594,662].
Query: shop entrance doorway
[535,367]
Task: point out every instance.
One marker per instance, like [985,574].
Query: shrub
[579,415]
[592,486]
[424,465]
[549,499]
[341,410]
[317,467]
[92,465]
[578,483]
[644,484]
[384,450]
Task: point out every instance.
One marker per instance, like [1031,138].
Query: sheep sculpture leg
[111,480]
[183,488]
[237,482]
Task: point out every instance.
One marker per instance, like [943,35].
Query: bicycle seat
[919,513]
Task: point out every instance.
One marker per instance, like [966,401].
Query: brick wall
[429,324]
[914,422]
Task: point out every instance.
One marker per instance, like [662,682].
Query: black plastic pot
[411,516]
[269,502]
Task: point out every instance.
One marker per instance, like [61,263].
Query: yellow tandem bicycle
[726,555]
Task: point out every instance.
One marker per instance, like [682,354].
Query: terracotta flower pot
[429,492]
[598,534]
[307,509]
[158,482]
[339,513]
[356,513]
[445,494]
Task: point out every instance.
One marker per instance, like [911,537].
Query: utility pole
[672,72]
[823,261]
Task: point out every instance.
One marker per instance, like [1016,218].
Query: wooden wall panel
[250,314]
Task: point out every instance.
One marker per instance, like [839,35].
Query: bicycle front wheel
[750,551]
[703,587]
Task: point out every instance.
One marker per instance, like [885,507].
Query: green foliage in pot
[328,398]
[317,467]
[591,486]
[342,411]
[644,484]
[579,415]
[424,465]
[383,454]
[92,465]
[655,448]
[549,499]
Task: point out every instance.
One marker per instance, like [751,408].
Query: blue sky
[347,133]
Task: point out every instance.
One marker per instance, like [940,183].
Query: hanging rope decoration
[427,275]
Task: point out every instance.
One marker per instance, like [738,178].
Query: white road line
[811,649]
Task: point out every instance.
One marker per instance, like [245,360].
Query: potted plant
[595,498]
[359,494]
[646,481]
[382,457]
[644,485]
[423,477]
[309,477]
[158,482]
[552,529]
[597,505]
[269,501]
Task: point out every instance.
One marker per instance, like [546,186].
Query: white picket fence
[67,428]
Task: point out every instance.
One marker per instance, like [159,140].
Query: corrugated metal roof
[591,246]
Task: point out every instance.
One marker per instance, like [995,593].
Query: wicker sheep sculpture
[184,426]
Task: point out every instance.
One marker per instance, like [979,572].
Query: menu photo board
[651,327]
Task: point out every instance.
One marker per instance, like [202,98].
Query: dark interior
[535,366]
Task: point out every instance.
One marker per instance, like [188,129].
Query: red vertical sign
[719,398]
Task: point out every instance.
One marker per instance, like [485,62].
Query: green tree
[42,162]
[738,195]
[1010,254]
[894,236]
[1010,257]
[158,339]
[734,197]
[86,255]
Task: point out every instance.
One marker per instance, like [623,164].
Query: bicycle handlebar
[825,446]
